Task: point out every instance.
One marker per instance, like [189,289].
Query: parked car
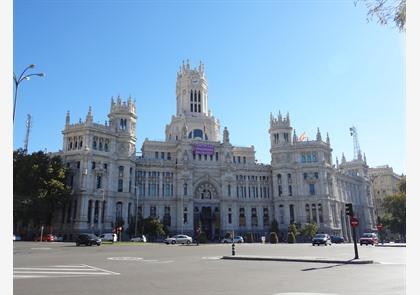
[237,239]
[141,238]
[323,239]
[108,237]
[337,239]
[368,239]
[17,237]
[178,239]
[88,240]
[46,238]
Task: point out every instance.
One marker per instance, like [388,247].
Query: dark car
[323,239]
[88,240]
[369,239]
[337,239]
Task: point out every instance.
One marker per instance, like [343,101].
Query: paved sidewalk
[391,245]
[298,259]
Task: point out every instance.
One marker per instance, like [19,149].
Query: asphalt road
[63,268]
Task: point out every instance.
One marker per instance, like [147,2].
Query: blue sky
[321,61]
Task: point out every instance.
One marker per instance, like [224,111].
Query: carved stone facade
[193,179]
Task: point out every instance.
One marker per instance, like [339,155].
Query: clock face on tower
[195,81]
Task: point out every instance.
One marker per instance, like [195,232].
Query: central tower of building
[193,118]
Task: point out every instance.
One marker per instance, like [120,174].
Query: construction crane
[356,147]
[28,129]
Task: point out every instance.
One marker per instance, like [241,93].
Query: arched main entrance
[207,211]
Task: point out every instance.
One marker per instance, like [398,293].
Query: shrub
[291,239]
[202,238]
[249,238]
[273,238]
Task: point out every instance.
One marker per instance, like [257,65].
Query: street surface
[63,268]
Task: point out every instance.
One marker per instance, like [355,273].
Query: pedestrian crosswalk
[59,271]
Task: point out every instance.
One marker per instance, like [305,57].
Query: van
[107,237]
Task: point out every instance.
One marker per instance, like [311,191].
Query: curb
[316,260]
[391,246]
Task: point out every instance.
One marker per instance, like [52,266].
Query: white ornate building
[194,177]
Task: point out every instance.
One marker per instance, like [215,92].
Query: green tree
[293,229]
[39,187]
[273,238]
[309,230]
[274,226]
[153,227]
[386,11]
[395,216]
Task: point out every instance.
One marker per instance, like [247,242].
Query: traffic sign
[354,222]
[379,226]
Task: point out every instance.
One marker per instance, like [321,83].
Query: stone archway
[207,210]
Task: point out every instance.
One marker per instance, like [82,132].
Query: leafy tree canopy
[39,187]
[386,11]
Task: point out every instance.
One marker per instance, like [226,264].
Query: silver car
[178,239]
[141,238]
[237,239]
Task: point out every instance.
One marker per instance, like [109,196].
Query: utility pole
[356,146]
[28,129]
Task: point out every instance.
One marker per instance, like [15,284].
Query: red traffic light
[379,226]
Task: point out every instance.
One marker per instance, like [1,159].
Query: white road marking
[212,257]
[125,258]
[59,271]
[304,293]
[40,248]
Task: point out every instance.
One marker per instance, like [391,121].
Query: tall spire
[89,117]
[294,136]
[343,159]
[318,135]
[328,139]
[68,118]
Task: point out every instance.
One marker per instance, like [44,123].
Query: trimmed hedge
[273,238]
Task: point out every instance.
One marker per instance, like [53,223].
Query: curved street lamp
[21,78]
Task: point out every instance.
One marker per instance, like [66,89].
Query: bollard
[233,249]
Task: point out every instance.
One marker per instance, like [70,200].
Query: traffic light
[349,209]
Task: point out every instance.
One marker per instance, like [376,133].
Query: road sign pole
[356,253]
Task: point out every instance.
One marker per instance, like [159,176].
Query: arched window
[185,189]
[199,96]
[198,133]
[320,215]
[96,212]
[100,144]
[80,142]
[95,143]
[90,211]
[313,213]
[191,96]
[106,145]
[195,96]
[308,213]
[103,211]
[70,145]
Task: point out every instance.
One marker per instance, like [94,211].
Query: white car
[142,238]
[178,239]
[108,237]
[237,239]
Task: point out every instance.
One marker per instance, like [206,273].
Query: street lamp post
[103,212]
[21,78]
[137,208]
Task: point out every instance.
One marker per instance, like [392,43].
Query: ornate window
[206,191]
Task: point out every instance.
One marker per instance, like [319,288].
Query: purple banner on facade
[203,149]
